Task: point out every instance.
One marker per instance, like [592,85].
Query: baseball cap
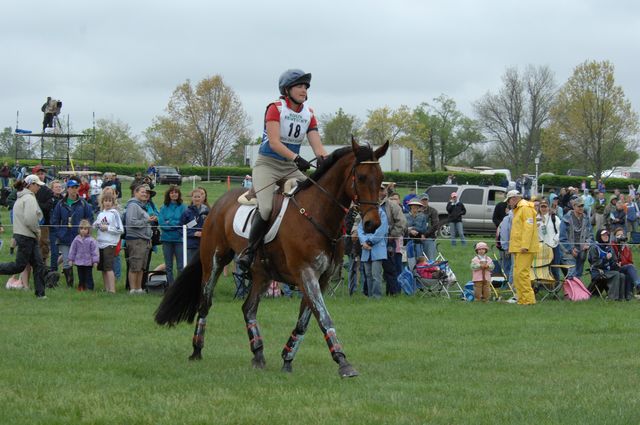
[73,183]
[414,201]
[513,193]
[424,197]
[31,179]
[37,168]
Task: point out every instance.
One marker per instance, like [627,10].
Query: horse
[305,253]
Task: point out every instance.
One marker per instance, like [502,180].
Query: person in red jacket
[84,189]
[625,259]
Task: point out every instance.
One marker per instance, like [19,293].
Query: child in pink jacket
[481,266]
[84,254]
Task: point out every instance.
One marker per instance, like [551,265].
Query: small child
[481,266]
[109,226]
[84,254]
[426,270]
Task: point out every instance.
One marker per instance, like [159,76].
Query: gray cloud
[124,59]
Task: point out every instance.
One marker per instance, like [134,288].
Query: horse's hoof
[347,371]
[195,356]
[287,367]
[258,363]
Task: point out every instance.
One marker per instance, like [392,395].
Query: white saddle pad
[244,215]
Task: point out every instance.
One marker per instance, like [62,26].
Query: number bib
[293,129]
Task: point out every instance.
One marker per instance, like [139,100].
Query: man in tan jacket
[523,243]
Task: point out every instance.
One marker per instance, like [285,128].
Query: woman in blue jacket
[194,218]
[374,251]
[170,225]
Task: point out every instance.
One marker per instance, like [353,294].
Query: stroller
[436,278]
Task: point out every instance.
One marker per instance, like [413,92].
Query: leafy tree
[164,144]
[386,124]
[204,122]
[337,128]
[7,147]
[514,117]
[593,123]
[442,132]
[236,157]
[113,142]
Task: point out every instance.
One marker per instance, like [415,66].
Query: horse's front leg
[203,310]
[250,311]
[291,347]
[319,309]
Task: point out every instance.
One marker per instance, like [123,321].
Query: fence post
[184,245]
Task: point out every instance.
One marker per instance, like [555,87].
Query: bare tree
[205,121]
[514,118]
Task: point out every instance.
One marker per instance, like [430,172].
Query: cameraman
[416,226]
[625,260]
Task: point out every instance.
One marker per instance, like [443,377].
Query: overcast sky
[123,59]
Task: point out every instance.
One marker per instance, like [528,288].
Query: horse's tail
[180,302]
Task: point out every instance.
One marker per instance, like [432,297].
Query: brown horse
[305,253]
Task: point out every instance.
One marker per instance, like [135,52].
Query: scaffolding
[63,143]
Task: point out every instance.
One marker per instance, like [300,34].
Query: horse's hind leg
[317,305]
[291,347]
[203,309]
[250,311]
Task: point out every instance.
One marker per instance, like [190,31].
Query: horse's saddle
[282,186]
[244,216]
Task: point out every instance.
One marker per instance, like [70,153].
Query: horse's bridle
[355,200]
[356,196]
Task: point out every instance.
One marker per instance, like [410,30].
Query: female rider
[287,122]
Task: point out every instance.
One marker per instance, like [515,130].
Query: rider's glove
[302,164]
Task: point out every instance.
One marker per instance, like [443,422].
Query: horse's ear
[379,153]
[354,145]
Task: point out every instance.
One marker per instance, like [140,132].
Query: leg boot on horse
[258,230]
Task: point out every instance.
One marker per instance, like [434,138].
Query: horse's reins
[356,201]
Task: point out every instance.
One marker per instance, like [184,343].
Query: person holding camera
[287,122]
[549,234]
[416,227]
[625,260]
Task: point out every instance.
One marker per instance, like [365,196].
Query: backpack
[157,282]
[575,290]
[632,213]
[407,284]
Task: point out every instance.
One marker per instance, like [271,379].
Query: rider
[287,121]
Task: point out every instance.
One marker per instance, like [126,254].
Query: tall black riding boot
[258,230]
[68,275]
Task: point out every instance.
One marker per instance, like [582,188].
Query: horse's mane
[365,153]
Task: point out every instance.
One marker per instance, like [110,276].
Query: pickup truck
[479,202]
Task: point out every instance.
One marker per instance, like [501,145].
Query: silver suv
[479,201]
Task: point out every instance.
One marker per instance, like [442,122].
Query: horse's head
[366,177]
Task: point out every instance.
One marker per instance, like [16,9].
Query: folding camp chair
[431,278]
[500,285]
[543,281]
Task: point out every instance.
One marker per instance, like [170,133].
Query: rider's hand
[302,164]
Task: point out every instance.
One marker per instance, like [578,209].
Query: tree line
[586,121]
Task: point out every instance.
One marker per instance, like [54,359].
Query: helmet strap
[292,99]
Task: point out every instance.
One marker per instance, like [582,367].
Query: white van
[499,171]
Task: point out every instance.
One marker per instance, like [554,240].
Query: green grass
[96,358]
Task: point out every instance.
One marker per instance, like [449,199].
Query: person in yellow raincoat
[523,243]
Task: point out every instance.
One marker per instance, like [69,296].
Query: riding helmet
[293,77]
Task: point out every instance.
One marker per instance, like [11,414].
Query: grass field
[96,358]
